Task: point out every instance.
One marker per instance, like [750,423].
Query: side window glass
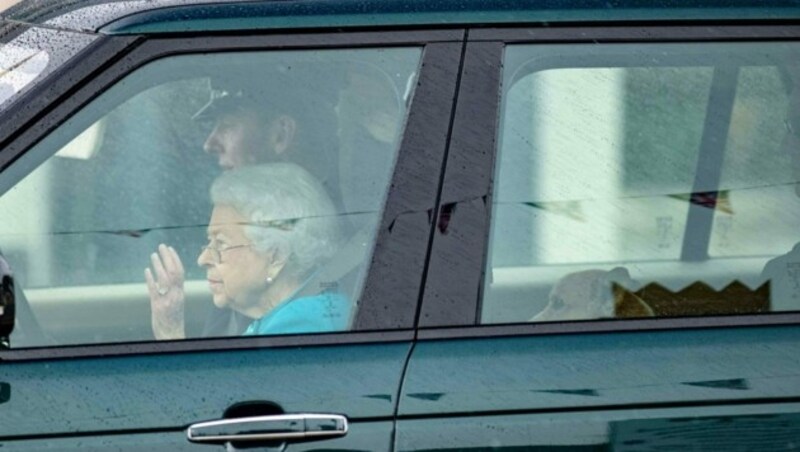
[645,181]
[208,195]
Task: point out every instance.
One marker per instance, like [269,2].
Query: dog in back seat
[594,294]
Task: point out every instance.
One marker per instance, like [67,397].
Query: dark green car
[400,225]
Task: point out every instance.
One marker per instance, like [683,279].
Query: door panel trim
[604,326]
[204,345]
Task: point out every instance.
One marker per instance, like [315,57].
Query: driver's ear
[282,133]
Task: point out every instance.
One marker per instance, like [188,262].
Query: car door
[611,268]
[116,167]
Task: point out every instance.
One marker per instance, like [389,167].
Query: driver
[255,122]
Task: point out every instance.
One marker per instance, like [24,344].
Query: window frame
[385,313]
[453,295]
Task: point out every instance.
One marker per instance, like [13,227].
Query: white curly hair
[287,211]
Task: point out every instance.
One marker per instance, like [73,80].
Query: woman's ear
[276,263]
[282,133]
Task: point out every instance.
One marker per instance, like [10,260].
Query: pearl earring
[269,279]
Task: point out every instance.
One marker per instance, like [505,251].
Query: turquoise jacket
[321,313]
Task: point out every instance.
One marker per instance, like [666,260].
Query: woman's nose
[204,259]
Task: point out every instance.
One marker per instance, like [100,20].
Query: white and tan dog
[594,294]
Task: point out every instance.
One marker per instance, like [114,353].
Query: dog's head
[593,294]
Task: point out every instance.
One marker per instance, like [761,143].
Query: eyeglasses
[283,225]
[216,251]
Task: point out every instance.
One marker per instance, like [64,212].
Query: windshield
[28,55]
[19,65]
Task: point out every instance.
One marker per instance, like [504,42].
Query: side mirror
[7,304]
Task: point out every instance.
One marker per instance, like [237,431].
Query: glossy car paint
[560,372]
[742,427]
[108,394]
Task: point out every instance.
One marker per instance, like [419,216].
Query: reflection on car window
[208,195]
[31,55]
[20,65]
[645,181]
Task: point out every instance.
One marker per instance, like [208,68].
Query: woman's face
[237,272]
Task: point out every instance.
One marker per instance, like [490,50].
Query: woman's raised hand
[166,293]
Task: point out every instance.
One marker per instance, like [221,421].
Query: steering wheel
[27,331]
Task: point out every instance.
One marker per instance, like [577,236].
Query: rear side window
[208,195]
[653,180]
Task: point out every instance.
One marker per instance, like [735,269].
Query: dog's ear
[629,305]
[619,275]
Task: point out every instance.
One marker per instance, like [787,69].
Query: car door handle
[280,427]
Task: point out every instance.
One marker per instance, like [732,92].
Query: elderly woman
[271,229]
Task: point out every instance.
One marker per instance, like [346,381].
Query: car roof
[173,16]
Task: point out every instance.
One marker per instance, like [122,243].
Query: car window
[652,180]
[208,195]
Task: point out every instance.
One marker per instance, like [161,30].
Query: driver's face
[239,138]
